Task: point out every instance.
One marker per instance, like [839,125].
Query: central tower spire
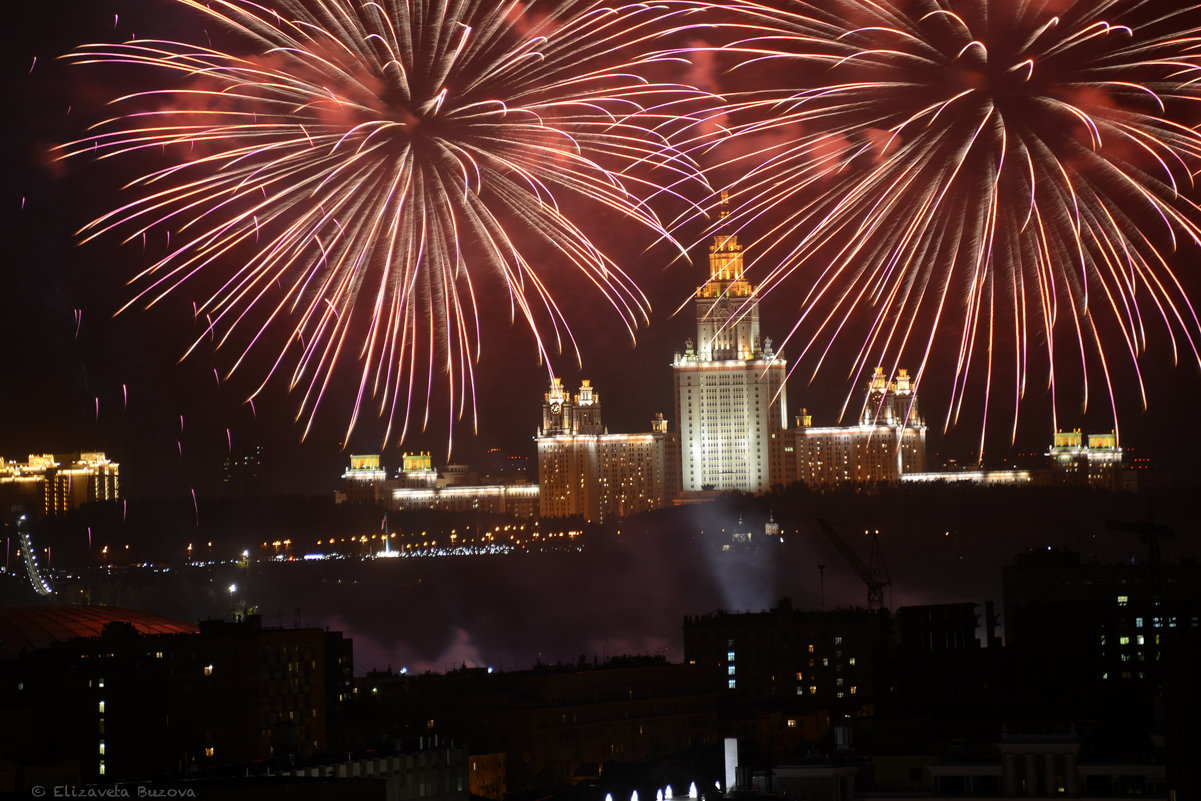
[727,315]
[729,385]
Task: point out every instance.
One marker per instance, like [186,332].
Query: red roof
[28,628]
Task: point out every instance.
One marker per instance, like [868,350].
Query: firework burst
[340,182]
[1008,181]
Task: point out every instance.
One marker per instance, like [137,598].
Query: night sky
[170,424]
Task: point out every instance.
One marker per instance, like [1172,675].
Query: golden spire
[725,260]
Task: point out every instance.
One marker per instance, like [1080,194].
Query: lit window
[729,656]
[1122,600]
[101,705]
[102,767]
[102,748]
[810,647]
[208,751]
[851,661]
[813,689]
[854,689]
[792,723]
[732,683]
[1124,640]
[208,670]
[838,640]
[799,675]
[730,670]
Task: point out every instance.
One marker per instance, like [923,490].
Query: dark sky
[66,351]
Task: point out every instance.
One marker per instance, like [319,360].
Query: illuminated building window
[838,640]
[813,689]
[1140,639]
[102,748]
[1124,640]
[1122,599]
[854,689]
[851,661]
[208,751]
[792,723]
[810,647]
[825,662]
[732,683]
[101,707]
[1138,622]
[100,683]
[102,767]
[208,670]
[729,656]
[799,675]
[730,670]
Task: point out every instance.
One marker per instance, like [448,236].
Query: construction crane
[1149,532]
[874,574]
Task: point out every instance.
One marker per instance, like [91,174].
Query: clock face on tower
[554,408]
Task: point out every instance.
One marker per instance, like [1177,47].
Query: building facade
[729,387]
[585,471]
[128,704]
[823,657]
[888,442]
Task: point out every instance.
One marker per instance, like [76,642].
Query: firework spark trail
[345,186]
[1013,174]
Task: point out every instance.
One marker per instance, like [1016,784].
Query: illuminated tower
[888,441]
[729,386]
[585,471]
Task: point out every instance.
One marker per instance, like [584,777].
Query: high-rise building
[888,442]
[56,484]
[365,479]
[418,485]
[1097,464]
[246,472]
[584,470]
[729,387]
